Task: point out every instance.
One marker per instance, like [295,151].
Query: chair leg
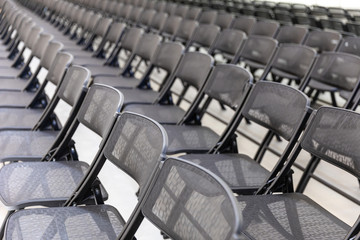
[2,230]
[309,170]
[333,99]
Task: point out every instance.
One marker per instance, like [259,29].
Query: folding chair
[244,23]
[193,13]
[170,27]
[350,45]
[158,22]
[323,41]
[265,28]
[203,37]
[207,17]
[136,146]
[291,34]
[331,136]
[224,20]
[185,31]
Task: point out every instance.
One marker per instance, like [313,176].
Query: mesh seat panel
[88,61]
[184,138]
[205,35]
[350,45]
[9,73]
[16,99]
[239,171]
[13,118]
[322,86]
[103,71]
[164,114]
[118,81]
[88,222]
[139,96]
[229,41]
[288,216]
[25,145]
[13,84]
[323,41]
[38,182]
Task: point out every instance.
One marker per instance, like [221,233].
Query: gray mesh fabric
[244,23]
[229,41]
[334,137]
[171,25]
[131,38]
[350,45]
[284,113]
[32,183]
[188,203]
[323,41]
[58,67]
[208,17]
[288,216]
[115,31]
[50,53]
[41,45]
[258,49]
[88,222]
[265,28]
[136,145]
[158,21]
[186,29]
[168,55]
[19,118]
[147,45]
[102,26]
[205,35]
[291,34]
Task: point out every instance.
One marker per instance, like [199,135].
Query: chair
[203,37]
[227,44]
[323,41]
[31,118]
[256,52]
[193,13]
[143,52]
[224,20]
[278,108]
[208,17]
[146,18]
[182,11]
[325,138]
[291,34]
[171,26]
[291,62]
[158,22]
[243,23]
[333,72]
[265,28]
[350,45]
[192,71]
[185,31]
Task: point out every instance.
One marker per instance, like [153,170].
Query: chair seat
[322,86]
[85,222]
[104,71]
[25,145]
[9,72]
[190,139]
[284,74]
[12,84]
[137,96]
[164,114]
[6,63]
[239,171]
[40,183]
[288,216]
[19,118]
[15,99]
[254,64]
[118,81]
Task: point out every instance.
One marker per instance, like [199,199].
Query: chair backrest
[136,145]
[223,20]
[115,31]
[350,45]
[276,106]
[93,21]
[204,35]
[333,136]
[188,202]
[193,13]
[167,56]
[135,15]
[265,28]
[50,53]
[58,67]
[258,49]
[41,45]
[160,6]
[131,38]
[102,26]
[323,41]
[337,69]
[229,42]
[32,35]
[208,17]
[181,11]
[291,34]
[147,17]
[170,8]
[158,22]
[186,30]
[171,25]
[146,46]
[124,11]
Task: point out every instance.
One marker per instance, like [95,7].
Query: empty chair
[193,13]
[35,118]
[272,106]
[307,20]
[182,11]
[350,45]
[291,34]
[291,62]
[185,30]
[244,23]
[134,16]
[170,8]
[224,20]
[265,28]
[146,18]
[227,44]
[203,37]
[124,12]
[325,137]
[171,27]
[208,17]
[323,41]
[256,52]
[334,72]
[158,22]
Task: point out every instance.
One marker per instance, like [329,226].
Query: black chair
[265,28]
[171,26]
[193,13]
[291,34]
[203,37]
[208,17]
[185,31]
[331,136]
[158,22]
[243,23]
[224,20]
[350,45]
[323,41]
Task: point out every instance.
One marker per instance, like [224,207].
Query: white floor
[122,189]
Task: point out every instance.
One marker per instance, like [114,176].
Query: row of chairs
[261,89]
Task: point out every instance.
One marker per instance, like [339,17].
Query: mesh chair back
[337,69]
[32,36]
[227,84]
[80,16]
[112,7]
[41,44]
[131,38]
[136,145]
[291,34]
[323,41]
[147,45]
[186,29]
[258,49]
[98,108]
[277,107]
[94,20]
[72,84]
[117,9]
[135,14]
[333,136]
[193,13]
[208,17]
[125,11]
[102,26]
[189,202]
[170,8]
[26,29]
[181,11]
[224,20]
[194,68]
[86,18]
[205,35]
[350,45]
[265,28]
[50,53]
[160,6]
[293,58]
[146,17]
[229,41]
[158,22]
[168,55]
[58,67]
[171,25]
[115,31]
